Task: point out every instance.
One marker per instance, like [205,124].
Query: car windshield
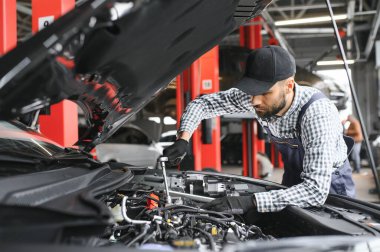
[17,139]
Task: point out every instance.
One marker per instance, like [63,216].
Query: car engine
[145,219]
[118,205]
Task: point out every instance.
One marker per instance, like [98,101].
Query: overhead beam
[292,11]
[308,36]
[303,11]
[282,13]
[269,22]
[350,27]
[366,6]
[276,8]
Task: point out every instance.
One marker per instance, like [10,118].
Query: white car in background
[167,138]
[131,145]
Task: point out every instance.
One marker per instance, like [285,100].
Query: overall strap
[314,97]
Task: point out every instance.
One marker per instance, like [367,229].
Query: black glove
[232,204]
[176,152]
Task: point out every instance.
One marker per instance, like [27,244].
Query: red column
[46,11]
[209,83]
[8,26]
[61,125]
[250,148]
[194,84]
[179,98]
[202,78]
[250,37]
[186,86]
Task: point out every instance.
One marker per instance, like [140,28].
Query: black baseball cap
[265,66]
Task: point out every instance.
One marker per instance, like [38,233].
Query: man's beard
[274,109]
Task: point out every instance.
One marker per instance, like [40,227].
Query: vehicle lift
[60,123]
[202,77]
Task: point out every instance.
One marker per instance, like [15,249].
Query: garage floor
[363,181]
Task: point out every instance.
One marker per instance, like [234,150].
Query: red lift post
[210,84]
[8,26]
[61,125]
[202,77]
[250,37]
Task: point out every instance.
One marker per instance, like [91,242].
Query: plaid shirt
[321,136]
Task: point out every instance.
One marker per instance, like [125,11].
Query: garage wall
[366,82]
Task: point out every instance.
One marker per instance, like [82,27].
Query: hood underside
[113,57]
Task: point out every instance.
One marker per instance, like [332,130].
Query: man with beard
[300,121]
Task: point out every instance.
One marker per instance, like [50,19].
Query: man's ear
[290,84]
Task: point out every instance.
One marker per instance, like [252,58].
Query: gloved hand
[232,204]
[176,152]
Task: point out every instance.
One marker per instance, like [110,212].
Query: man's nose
[256,100]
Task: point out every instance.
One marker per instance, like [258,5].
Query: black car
[60,199]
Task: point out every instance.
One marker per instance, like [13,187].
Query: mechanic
[299,120]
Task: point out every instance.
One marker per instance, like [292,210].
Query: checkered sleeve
[320,128]
[212,105]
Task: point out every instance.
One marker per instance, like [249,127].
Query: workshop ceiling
[309,42]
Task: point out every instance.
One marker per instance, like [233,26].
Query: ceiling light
[310,20]
[333,62]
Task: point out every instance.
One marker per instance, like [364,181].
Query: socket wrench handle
[162,161]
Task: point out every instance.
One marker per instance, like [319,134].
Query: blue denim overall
[293,153]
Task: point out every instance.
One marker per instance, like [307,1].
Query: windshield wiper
[70,153]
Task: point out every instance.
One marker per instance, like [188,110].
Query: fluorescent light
[169,121]
[306,30]
[310,20]
[333,62]
[155,119]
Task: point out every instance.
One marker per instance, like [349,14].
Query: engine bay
[144,219]
[122,206]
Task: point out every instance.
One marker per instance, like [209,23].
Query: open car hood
[118,54]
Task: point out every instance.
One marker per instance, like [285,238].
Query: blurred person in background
[354,130]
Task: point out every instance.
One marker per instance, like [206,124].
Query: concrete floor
[363,181]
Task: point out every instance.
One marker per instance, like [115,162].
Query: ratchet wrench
[162,161]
